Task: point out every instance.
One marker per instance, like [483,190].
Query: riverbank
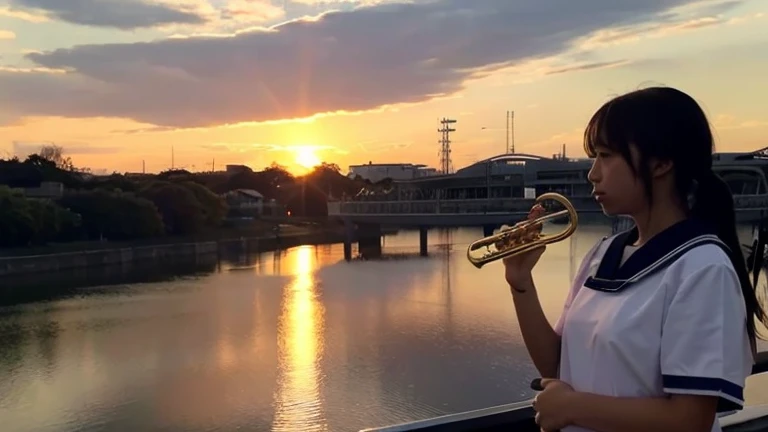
[254,229]
[97,254]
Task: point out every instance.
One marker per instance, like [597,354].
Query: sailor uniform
[665,318]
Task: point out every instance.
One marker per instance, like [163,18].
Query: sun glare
[307,158]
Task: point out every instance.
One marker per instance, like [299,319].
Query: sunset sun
[307,158]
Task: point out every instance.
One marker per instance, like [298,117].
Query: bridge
[443,213]
[364,219]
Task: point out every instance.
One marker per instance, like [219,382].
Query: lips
[598,195]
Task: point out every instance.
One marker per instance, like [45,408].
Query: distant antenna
[143,167]
[510,132]
[446,166]
[507,132]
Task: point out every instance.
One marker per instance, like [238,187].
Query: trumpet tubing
[524,236]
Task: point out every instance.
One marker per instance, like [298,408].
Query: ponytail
[713,203]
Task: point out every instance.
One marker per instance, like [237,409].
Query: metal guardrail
[474,206]
[483,206]
[520,417]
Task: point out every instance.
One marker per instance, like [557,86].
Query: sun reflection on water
[298,402]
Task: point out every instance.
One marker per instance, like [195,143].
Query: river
[297,340]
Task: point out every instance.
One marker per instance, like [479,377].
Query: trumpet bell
[544,227]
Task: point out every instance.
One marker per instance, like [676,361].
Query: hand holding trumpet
[518,268]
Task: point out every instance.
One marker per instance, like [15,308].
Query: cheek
[624,185]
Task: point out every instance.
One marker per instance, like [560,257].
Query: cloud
[5,11]
[684,20]
[355,60]
[181,16]
[246,147]
[23,149]
[728,121]
[587,66]
[251,11]
[122,14]
[7,35]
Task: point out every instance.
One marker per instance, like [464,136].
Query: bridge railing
[475,206]
[480,206]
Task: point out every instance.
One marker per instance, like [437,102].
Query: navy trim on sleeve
[731,396]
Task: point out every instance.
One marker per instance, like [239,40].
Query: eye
[604,154]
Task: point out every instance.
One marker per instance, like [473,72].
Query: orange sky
[114,107]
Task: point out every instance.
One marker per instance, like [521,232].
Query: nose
[594,173]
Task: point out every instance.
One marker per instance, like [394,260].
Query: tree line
[138,206]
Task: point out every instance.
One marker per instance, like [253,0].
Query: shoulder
[701,260]
[706,270]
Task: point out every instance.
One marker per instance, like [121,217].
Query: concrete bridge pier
[423,240]
[349,237]
[369,240]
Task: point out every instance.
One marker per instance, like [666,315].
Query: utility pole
[446,166]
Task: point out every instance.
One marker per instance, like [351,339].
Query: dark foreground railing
[518,417]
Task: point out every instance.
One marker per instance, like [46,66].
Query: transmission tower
[446,166]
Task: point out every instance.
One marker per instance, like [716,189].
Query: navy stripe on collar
[660,251]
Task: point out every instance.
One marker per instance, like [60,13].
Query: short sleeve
[705,348]
[576,284]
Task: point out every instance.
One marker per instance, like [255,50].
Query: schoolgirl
[658,330]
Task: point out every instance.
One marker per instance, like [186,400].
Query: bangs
[605,130]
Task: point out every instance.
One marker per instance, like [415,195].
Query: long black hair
[667,124]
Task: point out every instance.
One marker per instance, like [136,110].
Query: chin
[612,212]
[607,210]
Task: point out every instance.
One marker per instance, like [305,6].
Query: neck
[658,218]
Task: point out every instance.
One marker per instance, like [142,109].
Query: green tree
[51,221]
[181,212]
[114,215]
[214,206]
[17,226]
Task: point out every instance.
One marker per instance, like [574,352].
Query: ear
[660,168]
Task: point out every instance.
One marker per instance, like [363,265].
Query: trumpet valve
[520,234]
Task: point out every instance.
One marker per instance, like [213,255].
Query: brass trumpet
[523,236]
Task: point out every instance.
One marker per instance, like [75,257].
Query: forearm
[540,339]
[614,414]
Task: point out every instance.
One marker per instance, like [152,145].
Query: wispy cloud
[636,33]
[122,14]
[728,121]
[7,35]
[247,147]
[23,149]
[587,66]
[355,60]
[181,16]
[6,11]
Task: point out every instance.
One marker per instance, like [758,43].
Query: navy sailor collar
[656,254]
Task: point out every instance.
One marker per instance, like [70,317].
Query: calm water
[293,341]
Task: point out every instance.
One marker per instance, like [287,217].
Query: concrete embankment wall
[104,257]
[176,252]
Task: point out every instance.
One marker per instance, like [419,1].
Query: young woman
[658,330]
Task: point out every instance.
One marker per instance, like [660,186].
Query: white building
[398,171]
